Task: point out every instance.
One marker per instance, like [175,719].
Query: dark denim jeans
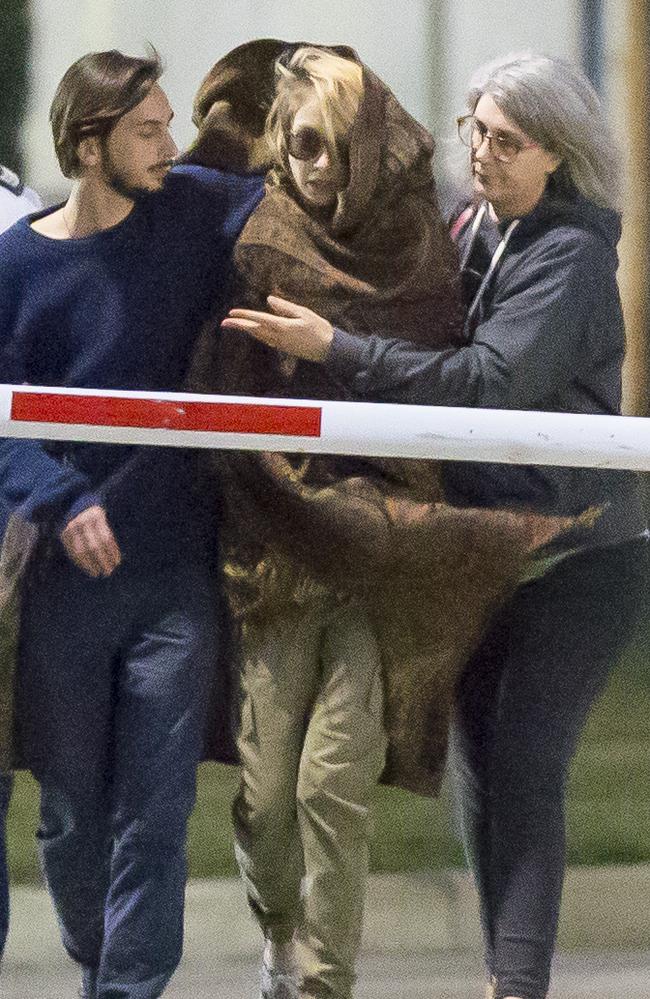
[522,704]
[5,795]
[112,690]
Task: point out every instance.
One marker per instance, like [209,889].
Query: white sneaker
[279,974]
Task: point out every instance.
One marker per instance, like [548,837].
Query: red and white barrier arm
[378,429]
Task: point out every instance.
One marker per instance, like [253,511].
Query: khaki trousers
[312,745]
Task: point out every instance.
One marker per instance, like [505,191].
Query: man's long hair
[95,92]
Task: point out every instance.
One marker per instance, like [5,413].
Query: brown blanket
[379,531]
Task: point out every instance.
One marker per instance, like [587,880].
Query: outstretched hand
[287,327]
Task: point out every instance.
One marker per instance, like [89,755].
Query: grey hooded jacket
[546,334]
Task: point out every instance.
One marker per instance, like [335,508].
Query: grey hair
[556,106]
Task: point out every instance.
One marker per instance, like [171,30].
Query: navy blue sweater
[549,337]
[118,309]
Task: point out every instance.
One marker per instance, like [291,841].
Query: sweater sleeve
[532,343]
[40,487]
[33,482]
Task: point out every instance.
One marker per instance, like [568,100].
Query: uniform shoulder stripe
[10,181]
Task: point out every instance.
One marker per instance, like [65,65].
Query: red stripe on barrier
[223,417]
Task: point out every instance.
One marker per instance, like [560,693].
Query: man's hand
[90,542]
[291,328]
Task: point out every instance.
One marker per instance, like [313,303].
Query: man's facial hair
[115,180]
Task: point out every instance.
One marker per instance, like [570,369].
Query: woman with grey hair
[544,331]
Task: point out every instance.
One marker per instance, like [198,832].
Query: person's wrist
[82,502]
[326,337]
[345,354]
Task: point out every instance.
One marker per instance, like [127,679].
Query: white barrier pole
[374,429]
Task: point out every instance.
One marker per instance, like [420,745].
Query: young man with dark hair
[117,633]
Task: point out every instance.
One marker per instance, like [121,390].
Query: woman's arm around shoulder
[534,340]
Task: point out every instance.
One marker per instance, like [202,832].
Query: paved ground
[448,975]
[421,942]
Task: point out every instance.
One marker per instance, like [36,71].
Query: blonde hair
[337,84]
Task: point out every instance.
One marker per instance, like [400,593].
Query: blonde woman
[343,571]
[312,549]
[312,741]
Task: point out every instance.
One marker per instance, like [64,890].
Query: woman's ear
[552,163]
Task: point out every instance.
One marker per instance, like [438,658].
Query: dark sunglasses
[307,144]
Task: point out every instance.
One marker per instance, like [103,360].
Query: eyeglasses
[473,133]
[308,144]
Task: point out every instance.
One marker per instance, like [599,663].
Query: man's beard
[118,182]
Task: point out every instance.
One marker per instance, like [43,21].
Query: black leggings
[522,704]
